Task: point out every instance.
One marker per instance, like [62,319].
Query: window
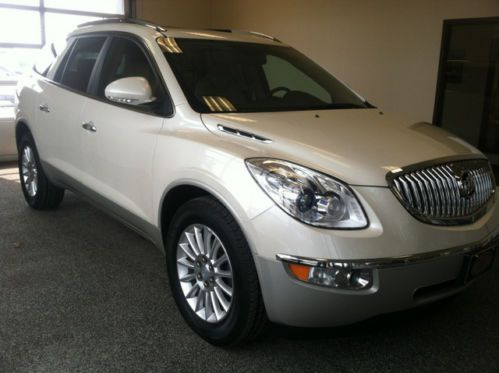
[26,26]
[31,23]
[221,76]
[126,59]
[283,77]
[81,63]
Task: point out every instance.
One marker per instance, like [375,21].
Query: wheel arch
[182,192]
[22,128]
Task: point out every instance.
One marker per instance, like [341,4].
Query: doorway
[467,99]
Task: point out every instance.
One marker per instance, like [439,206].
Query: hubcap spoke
[216,306]
[227,274]
[192,292]
[220,260]
[192,243]
[200,301]
[188,277]
[207,242]
[208,306]
[205,273]
[221,299]
[222,285]
[199,240]
[186,262]
[185,248]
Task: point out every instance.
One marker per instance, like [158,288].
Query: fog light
[333,274]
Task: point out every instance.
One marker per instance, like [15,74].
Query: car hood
[359,146]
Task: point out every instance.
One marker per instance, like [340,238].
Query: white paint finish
[187,153]
[359,146]
[117,158]
[134,90]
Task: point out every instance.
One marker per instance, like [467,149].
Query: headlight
[308,195]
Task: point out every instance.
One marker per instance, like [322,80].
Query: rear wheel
[38,191]
[212,274]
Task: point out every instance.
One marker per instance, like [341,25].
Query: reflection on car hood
[358,146]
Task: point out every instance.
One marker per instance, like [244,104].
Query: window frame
[42,9]
[168,110]
[61,70]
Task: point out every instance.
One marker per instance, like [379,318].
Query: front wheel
[38,191]
[212,274]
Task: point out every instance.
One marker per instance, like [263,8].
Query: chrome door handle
[45,108]
[89,126]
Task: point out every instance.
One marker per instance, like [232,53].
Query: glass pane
[228,76]
[20,26]
[21,2]
[81,63]
[96,6]
[14,62]
[283,77]
[58,26]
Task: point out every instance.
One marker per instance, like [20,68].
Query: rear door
[60,104]
[118,151]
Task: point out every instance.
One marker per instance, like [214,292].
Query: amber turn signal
[301,272]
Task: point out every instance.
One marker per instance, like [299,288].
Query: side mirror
[134,90]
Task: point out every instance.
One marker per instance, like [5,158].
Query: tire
[39,192]
[245,319]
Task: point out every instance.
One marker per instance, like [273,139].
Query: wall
[387,50]
[181,13]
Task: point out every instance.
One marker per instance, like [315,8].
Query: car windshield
[228,76]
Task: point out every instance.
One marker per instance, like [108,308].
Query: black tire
[47,195]
[246,319]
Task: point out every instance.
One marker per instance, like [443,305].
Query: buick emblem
[465,183]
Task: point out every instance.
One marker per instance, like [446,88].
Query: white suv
[276,192]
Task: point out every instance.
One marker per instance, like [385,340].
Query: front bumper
[413,263]
[398,284]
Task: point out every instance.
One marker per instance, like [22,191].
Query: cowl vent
[249,135]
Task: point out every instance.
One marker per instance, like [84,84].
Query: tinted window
[79,67]
[126,59]
[232,76]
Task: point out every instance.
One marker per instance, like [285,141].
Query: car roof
[147,29]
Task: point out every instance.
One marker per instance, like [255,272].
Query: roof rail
[255,33]
[134,21]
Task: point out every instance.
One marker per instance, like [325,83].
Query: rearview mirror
[134,90]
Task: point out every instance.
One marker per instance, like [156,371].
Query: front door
[118,148]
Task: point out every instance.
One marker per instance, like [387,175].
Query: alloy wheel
[205,273]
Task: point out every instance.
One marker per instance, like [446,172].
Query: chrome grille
[449,193]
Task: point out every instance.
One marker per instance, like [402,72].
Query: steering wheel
[273,91]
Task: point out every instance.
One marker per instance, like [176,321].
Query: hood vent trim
[249,135]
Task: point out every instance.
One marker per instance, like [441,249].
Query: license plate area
[477,263]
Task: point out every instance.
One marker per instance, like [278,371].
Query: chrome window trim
[377,263]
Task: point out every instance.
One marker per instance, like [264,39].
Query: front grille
[445,193]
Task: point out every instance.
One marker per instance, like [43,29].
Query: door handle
[45,108]
[89,126]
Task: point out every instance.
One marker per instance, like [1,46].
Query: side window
[81,62]
[280,73]
[126,59]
